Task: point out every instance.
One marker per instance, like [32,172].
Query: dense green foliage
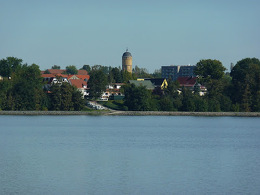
[71,69]
[21,88]
[210,69]
[141,72]
[137,98]
[246,84]
[9,65]
[65,97]
[55,67]
[86,67]
[97,83]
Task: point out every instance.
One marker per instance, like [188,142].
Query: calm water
[129,155]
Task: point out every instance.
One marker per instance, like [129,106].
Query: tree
[166,104]
[5,90]
[172,92]
[71,70]
[213,105]
[55,97]
[115,75]
[97,83]
[27,83]
[141,72]
[66,98]
[209,69]
[137,98]
[86,67]
[47,71]
[246,84]
[9,65]
[157,73]
[211,74]
[78,102]
[126,76]
[187,100]
[201,104]
[55,67]
[24,90]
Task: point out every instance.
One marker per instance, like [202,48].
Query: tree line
[239,90]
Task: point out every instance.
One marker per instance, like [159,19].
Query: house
[54,78]
[146,83]
[115,86]
[80,82]
[1,78]
[82,77]
[191,83]
[113,92]
[188,82]
[51,79]
[81,85]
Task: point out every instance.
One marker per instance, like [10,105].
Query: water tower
[127,61]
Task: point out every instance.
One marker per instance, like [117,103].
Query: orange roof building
[82,72]
[56,71]
[78,83]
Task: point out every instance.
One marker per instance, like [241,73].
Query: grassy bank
[114,104]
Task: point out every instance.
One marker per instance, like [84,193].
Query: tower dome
[127,54]
[127,61]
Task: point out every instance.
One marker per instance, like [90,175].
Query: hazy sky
[157,33]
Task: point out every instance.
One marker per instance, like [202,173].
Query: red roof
[82,72]
[83,77]
[187,81]
[79,83]
[56,71]
[69,76]
[120,84]
[61,75]
[47,75]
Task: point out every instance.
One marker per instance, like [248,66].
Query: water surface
[129,155]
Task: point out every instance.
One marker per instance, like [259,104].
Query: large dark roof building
[173,72]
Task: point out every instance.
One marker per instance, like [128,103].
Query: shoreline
[131,113]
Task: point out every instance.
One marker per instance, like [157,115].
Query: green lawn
[114,104]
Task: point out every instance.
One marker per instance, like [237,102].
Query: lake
[129,155]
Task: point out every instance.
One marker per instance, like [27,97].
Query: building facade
[173,72]
[127,62]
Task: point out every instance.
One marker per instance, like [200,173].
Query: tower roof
[127,54]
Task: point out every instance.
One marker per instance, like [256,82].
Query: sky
[156,32]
